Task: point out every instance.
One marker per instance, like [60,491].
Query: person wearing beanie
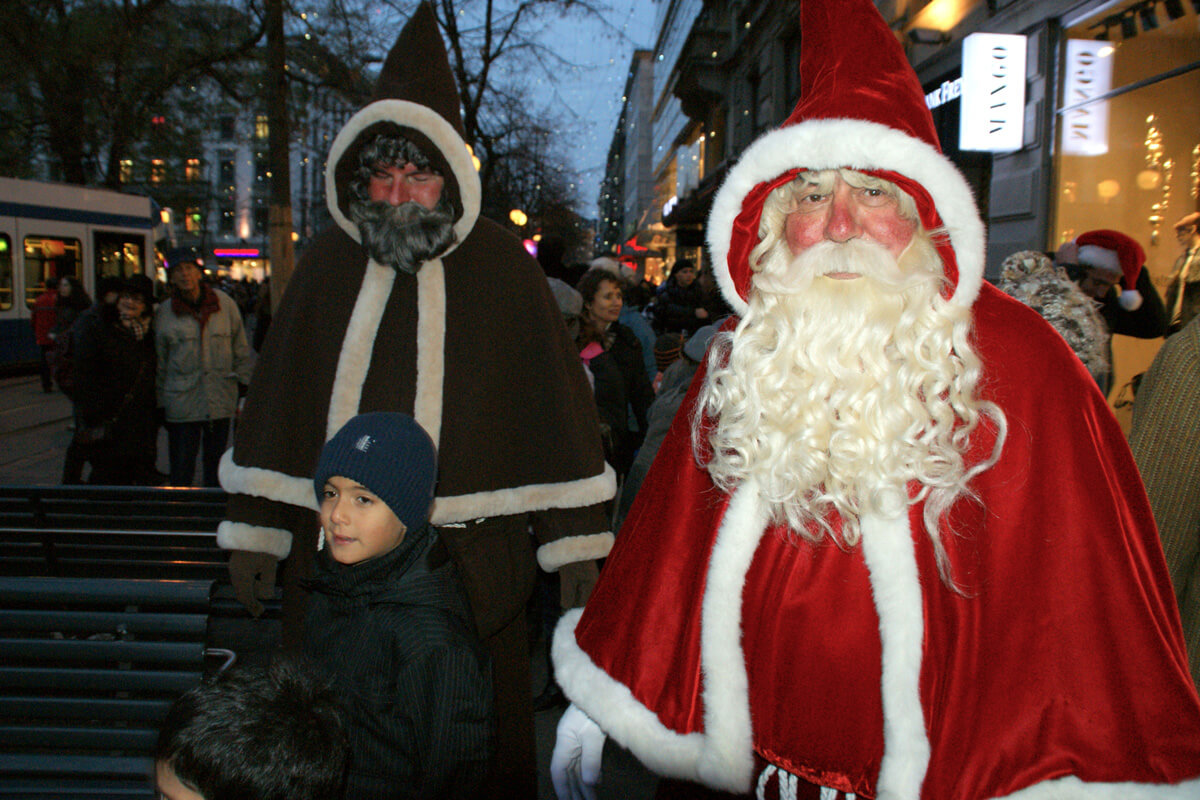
[894,544]
[411,301]
[1109,267]
[388,623]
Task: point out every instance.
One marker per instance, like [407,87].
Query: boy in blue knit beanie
[388,621]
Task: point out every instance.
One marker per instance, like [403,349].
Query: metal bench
[106,531]
[88,668]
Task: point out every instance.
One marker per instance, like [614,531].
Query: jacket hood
[416,97]
[861,107]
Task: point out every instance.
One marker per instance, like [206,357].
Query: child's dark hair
[258,734]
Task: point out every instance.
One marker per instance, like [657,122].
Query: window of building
[119,254]
[261,127]
[228,216]
[262,170]
[1127,156]
[261,220]
[158,170]
[227,172]
[193,220]
[6,273]
[228,127]
[50,258]
[191,170]
[125,170]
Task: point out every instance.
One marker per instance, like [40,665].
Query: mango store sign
[993,93]
[1088,75]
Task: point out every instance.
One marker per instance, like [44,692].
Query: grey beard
[403,236]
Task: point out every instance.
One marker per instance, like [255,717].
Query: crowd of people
[828,514]
[138,359]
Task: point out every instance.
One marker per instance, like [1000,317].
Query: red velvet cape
[1062,657]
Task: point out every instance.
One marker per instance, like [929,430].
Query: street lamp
[518,217]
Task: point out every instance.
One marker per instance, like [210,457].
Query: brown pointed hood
[416,96]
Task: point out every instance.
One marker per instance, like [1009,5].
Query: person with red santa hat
[894,545]
[1109,266]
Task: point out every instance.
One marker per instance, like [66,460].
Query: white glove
[575,765]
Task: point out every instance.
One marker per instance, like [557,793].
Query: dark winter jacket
[675,307]
[620,385]
[114,374]
[394,636]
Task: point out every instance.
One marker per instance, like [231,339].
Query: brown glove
[253,577]
[576,582]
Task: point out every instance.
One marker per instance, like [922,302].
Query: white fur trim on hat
[1094,257]
[435,127]
[861,145]
[1130,300]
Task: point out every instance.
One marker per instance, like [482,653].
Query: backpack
[63,370]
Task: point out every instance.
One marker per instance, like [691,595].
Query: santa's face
[844,212]
[406,184]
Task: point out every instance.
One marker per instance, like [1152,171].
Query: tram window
[6,273]
[50,258]
[119,254]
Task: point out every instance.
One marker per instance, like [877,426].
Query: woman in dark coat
[614,356]
[115,364]
[680,304]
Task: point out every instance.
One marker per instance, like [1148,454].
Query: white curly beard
[835,394]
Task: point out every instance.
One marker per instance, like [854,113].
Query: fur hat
[1116,253]
[389,454]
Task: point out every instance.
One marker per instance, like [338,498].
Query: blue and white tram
[51,230]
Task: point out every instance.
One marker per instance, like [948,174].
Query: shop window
[192,220]
[49,258]
[119,254]
[6,273]
[1128,152]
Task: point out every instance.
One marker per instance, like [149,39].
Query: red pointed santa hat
[1117,253]
[861,107]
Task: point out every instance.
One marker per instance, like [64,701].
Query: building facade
[1104,132]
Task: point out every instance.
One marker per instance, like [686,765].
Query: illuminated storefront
[1128,136]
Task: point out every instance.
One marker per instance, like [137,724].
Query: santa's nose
[398,193]
[841,226]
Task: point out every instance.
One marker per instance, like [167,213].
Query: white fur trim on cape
[722,756]
[519,499]
[855,144]
[254,538]
[440,132]
[887,546]
[571,549]
[431,348]
[259,482]
[359,343]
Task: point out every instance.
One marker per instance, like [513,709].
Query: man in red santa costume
[894,545]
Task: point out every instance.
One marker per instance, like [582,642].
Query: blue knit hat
[391,455]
